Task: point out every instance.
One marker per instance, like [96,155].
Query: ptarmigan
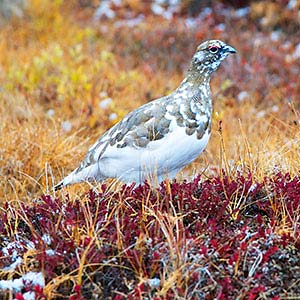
[158,139]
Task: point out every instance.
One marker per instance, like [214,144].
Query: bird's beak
[229,49]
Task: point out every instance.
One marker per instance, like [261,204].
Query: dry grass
[63,68]
[56,68]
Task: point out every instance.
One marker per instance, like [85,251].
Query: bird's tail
[59,186]
[70,179]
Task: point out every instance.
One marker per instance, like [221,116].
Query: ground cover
[228,228]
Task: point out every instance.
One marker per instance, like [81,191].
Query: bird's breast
[176,150]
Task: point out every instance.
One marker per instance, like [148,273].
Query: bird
[158,139]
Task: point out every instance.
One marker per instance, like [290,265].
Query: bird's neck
[198,75]
[196,83]
[197,86]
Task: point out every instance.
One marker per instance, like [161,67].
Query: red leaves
[214,243]
[156,255]
[255,291]
[77,288]
[269,253]
[19,296]
[140,232]
[77,293]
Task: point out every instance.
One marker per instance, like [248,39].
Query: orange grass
[55,68]
[55,63]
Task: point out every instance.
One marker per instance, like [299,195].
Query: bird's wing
[140,127]
[148,123]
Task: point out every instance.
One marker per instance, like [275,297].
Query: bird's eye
[213,49]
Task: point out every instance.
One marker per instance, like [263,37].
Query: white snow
[103,94]
[242,96]
[66,126]
[154,283]
[131,22]
[242,12]
[12,248]
[47,238]
[275,36]
[32,278]
[221,27]
[157,9]
[117,2]
[191,22]
[29,296]
[50,252]
[292,4]
[260,114]
[275,108]
[105,103]
[253,187]
[167,13]
[296,53]
[30,245]
[12,251]
[13,266]
[112,117]
[50,112]
[205,12]
[104,10]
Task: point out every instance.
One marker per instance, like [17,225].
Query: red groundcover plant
[219,238]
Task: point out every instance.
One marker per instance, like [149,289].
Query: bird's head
[209,55]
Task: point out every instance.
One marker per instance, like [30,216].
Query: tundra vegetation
[226,228]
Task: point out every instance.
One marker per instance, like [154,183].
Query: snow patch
[131,22]
[292,4]
[260,114]
[221,27]
[31,278]
[296,53]
[47,238]
[167,13]
[103,94]
[105,103]
[154,283]
[205,12]
[29,296]
[50,252]
[13,266]
[191,22]
[242,12]
[112,117]
[275,36]
[242,96]
[104,10]
[50,112]
[12,249]
[275,108]
[66,126]
[157,9]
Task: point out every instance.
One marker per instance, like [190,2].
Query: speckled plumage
[159,138]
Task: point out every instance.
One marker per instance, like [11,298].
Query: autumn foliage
[226,228]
